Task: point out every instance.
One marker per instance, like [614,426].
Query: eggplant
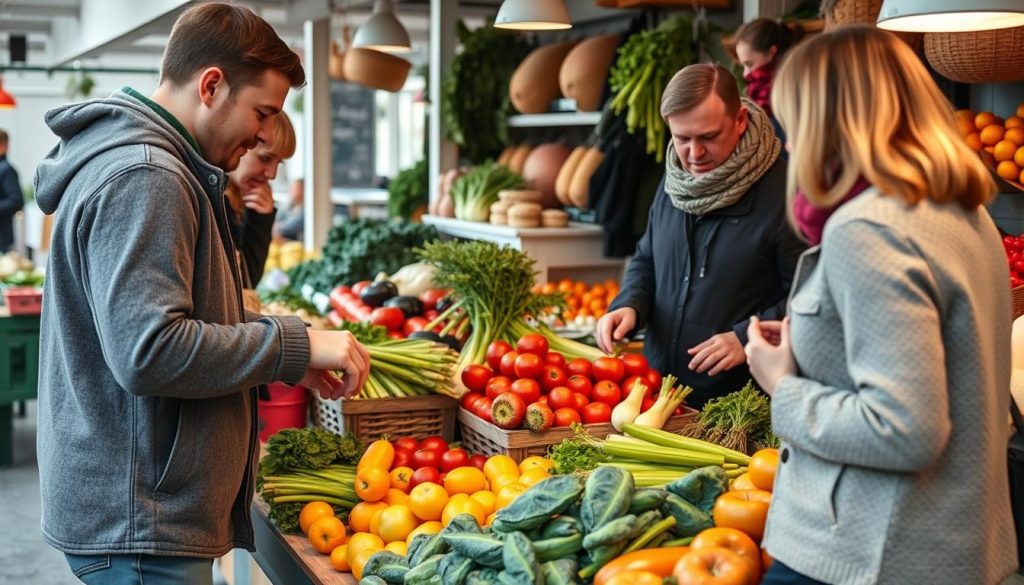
[377,293]
[444,303]
[452,342]
[428,335]
[411,306]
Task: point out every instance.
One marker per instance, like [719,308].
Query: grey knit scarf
[754,155]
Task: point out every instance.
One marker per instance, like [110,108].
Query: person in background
[717,248]
[147,435]
[290,222]
[11,199]
[760,47]
[252,201]
[890,379]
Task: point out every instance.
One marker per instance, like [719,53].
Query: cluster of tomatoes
[531,377]
[1014,247]
[430,459]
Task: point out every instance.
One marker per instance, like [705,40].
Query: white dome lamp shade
[950,15]
[383,32]
[533,15]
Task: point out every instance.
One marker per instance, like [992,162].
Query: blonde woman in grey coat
[890,377]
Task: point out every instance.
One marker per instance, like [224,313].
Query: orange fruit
[536,461]
[1020,110]
[599,313]
[965,114]
[503,480]
[362,543]
[399,547]
[1018,157]
[486,499]
[490,519]
[507,494]
[762,468]
[429,528]
[361,514]
[984,119]
[992,134]
[990,149]
[573,302]
[1014,122]
[1008,170]
[532,477]
[585,299]
[427,501]
[596,305]
[358,562]
[465,480]
[579,288]
[565,285]
[396,522]
[375,521]
[463,504]
[400,478]
[548,288]
[742,482]
[599,290]
[966,127]
[326,534]
[312,512]
[1021,178]
[339,559]
[1004,150]
[973,141]
[1015,135]
[372,484]
[500,465]
[584,312]
[395,497]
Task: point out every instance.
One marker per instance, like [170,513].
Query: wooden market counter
[289,559]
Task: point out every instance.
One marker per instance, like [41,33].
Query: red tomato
[482,408]
[337,320]
[534,343]
[426,458]
[390,317]
[635,364]
[608,392]
[508,364]
[425,475]
[453,458]
[609,368]
[543,400]
[430,315]
[653,379]
[360,286]
[597,412]
[564,417]
[647,403]
[1018,266]
[527,389]
[579,401]
[402,459]
[528,365]
[580,367]
[396,335]
[434,443]
[581,384]
[497,385]
[406,444]
[553,358]
[475,376]
[495,351]
[627,384]
[553,377]
[414,324]
[561,397]
[478,461]
[469,399]
[430,297]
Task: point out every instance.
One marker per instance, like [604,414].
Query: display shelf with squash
[554,119]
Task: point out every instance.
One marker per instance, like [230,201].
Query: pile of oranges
[1003,139]
[584,300]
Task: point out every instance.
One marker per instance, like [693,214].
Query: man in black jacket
[11,200]
[717,249]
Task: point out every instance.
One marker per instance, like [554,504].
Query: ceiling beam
[25,25]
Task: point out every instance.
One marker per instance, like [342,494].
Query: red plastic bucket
[286,409]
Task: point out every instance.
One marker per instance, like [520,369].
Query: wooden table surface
[316,567]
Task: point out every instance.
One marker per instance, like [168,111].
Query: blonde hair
[858,96]
[282,143]
[691,85]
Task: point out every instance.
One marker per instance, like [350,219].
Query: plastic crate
[19,358]
[480,436]
[369,418]
[23,300]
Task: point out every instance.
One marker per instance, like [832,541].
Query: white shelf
[554,119]
[574,251]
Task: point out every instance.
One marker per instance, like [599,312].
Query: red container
[23,300]
[287,408]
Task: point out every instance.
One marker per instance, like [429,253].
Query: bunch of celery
[409,367]
[475,192]
[656,457]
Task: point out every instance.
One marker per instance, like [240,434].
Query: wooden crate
[480,436]
[369,418]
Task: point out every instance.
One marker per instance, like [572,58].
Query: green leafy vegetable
[309,448]
[580,454]
[474,192]
[409,190]
[741,420]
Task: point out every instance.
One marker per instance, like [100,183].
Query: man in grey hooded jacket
[147,409]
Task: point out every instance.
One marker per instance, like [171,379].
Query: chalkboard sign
[352,123]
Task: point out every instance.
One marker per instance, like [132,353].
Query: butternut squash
[565,174]
[518,158]
[535,81]
[579,187]
[506,154]
[585,69]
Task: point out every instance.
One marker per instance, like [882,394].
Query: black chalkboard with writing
[352,124]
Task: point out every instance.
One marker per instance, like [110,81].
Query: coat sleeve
[139,258]
[637,291]
[896,415]
[788,248]
[11,199]
[256,242]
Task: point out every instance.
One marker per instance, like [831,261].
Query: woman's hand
[769,353]
[260,199]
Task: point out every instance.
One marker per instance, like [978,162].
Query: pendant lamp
[6,100]
[533,15]
[383,32]
[950,15]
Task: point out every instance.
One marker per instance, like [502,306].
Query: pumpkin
[541,170]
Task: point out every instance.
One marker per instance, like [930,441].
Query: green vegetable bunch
[290,298]
[741,420]
[360,249]
[474,192]
[408,191]
[474,99]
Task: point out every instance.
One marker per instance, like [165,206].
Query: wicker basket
[984,56]
[1017,296]
[368,419]
[863,12]
[480,436]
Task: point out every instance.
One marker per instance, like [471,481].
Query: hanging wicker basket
[840,12]
[985,56]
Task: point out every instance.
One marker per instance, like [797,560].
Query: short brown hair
[232,38]
[693,84]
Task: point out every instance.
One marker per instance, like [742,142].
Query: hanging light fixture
[6,100]
[533,15]
[950,15]
[383,32]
